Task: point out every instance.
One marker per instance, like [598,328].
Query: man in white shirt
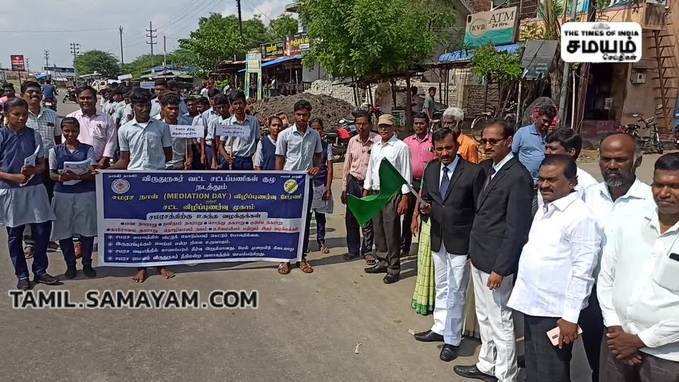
[619,197]
[639,287]
[555,271]
[387,224]
[566,141]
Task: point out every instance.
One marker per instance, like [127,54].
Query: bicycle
[651,143]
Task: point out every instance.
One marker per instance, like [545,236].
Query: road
[336,324]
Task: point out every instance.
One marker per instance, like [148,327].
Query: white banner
[186,131]
[601,42]
[233,131]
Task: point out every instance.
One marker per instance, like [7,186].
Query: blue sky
[30,26]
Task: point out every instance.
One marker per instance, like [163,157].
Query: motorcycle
[346,130]
[50,103]
[69,96]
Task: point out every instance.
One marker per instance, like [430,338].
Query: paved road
[336,324]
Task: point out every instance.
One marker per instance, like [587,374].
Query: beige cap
[386,119]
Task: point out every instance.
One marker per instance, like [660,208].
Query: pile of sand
[327,108]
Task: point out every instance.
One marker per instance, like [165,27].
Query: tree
[142,64]
[365,38]
[218,38]
[92,61]
[281,27]
[504,68]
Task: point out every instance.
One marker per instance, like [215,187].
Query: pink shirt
[99,132]
[357,157]
[421,153]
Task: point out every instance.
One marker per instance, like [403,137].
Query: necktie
[445,181]
[490,175]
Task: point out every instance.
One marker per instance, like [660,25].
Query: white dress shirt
[397,153]
[556,264]
[585,180]
[638,286]
[498,167]
[451,169]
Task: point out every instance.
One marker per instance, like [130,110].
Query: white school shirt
[556,265]
[397,153]
[638,286]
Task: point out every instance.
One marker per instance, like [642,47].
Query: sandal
[370,260]
[305,266]
[324,248]
[28,251]
[284,268]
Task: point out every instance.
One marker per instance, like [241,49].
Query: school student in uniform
[265,154]
[74,201]
[23,197]
[322,179]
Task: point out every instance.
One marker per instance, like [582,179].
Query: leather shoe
[448,353]
[428,336]
[23,284]
[70,273]
[472,372]
[89,271]
[46,279]
[377,268]
[391,278]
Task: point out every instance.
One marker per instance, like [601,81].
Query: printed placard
[601,42]
[233,131]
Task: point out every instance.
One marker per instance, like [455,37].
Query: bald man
[619,197]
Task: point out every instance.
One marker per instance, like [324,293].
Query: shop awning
[467,54]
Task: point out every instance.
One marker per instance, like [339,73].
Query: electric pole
[240,19]
[151,35]
[122,61]
[47,59]
[75,51]
[164,50]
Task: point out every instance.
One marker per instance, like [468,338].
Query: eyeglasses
[490,141]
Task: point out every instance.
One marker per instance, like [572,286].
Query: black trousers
[544,361]
[387,226]
[592,324]
[355,188]
[406,232]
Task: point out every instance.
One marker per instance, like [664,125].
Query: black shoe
[89,271]
[473,372]
[391,278]
[448,353]
[428,336]
[70,272]
[349,257]
[521,362]
[46,279]
[377,268]
[23,284]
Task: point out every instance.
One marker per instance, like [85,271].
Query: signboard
[537,59]
[495,27]
[601,42]
[147,84]
[18,63]
[177,217]
[296,44]
[276,49]
[124,77]
[187,131]
[253,75]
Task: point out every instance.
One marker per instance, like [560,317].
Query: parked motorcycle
[346,130]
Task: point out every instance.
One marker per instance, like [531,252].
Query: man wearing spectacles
[499,231]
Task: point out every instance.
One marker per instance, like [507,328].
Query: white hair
[454,112]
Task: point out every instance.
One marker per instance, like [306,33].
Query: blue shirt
[48,91]
[529,146]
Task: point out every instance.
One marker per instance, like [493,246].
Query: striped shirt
[47,124]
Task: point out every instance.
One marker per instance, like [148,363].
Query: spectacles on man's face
[490,141]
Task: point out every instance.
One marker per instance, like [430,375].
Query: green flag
[368,207]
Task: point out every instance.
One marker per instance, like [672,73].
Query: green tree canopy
[281,27]
[92,61]
[218,38]
[142,64]
[363,38]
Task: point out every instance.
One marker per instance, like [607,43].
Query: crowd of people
[533,232]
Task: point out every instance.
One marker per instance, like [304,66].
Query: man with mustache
[620,196]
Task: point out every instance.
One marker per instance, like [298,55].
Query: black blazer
[452,214]
[503,219]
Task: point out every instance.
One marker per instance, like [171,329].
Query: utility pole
[164,50]
[151,35]
[47,59]
[240,19]
[565,75]
[75,51]
[122,61]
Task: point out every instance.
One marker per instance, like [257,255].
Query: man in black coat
[501,226]
[450,188]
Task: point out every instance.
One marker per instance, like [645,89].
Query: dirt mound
[327,108]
